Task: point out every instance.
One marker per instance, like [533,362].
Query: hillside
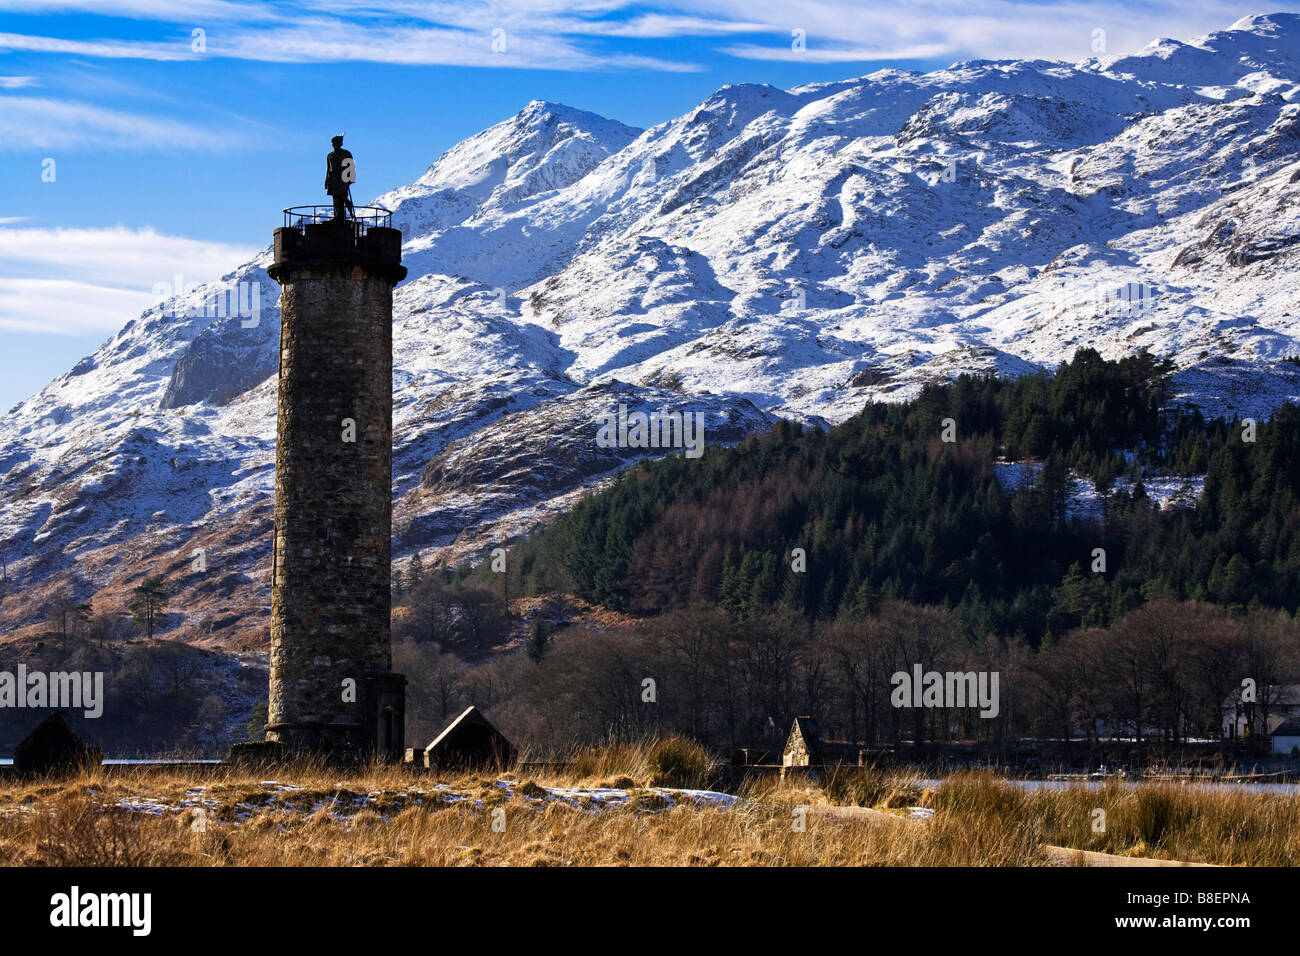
[768,254]
[922,501]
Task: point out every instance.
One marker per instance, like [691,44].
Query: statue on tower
[340,174]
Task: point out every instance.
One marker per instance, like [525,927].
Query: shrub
[83,831]
[1158,812]
[867,787]
[678,762]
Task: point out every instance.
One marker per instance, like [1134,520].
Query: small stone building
[53,747]
[803,748]
[468,741]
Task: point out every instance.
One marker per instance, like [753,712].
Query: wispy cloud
[65,307]
[558,34]
[841,30]
[16,82]
[161,11]
[835,54]
[107,49]
[334,41]
[42,123]
[72,281]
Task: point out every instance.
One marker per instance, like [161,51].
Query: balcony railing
[363,219]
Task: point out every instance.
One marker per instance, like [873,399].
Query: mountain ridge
[769,253]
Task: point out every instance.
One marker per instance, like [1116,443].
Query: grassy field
[628,805]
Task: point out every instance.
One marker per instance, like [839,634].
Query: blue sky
[173,151]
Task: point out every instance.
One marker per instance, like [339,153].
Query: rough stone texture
[333,497]
[256,753]
[803,746]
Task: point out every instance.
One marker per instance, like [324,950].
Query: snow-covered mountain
[770,253]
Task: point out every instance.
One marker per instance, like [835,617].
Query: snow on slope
[769,253]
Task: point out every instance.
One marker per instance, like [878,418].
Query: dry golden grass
[386,816]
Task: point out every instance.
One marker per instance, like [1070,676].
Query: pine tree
[414,572]
[535,643]
[147,603]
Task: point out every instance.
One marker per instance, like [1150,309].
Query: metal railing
[363,218]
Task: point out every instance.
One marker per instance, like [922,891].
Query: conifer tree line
[884,509]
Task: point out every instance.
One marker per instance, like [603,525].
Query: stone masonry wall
[330,590]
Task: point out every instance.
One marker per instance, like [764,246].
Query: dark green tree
[256,727]
[147,603]
[414,572]
[535,643]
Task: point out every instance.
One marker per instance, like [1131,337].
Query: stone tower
[333,691]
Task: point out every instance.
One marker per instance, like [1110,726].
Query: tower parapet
[310,237]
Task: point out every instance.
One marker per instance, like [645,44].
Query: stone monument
[332,688]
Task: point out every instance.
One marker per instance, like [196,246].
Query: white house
[1283,705]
